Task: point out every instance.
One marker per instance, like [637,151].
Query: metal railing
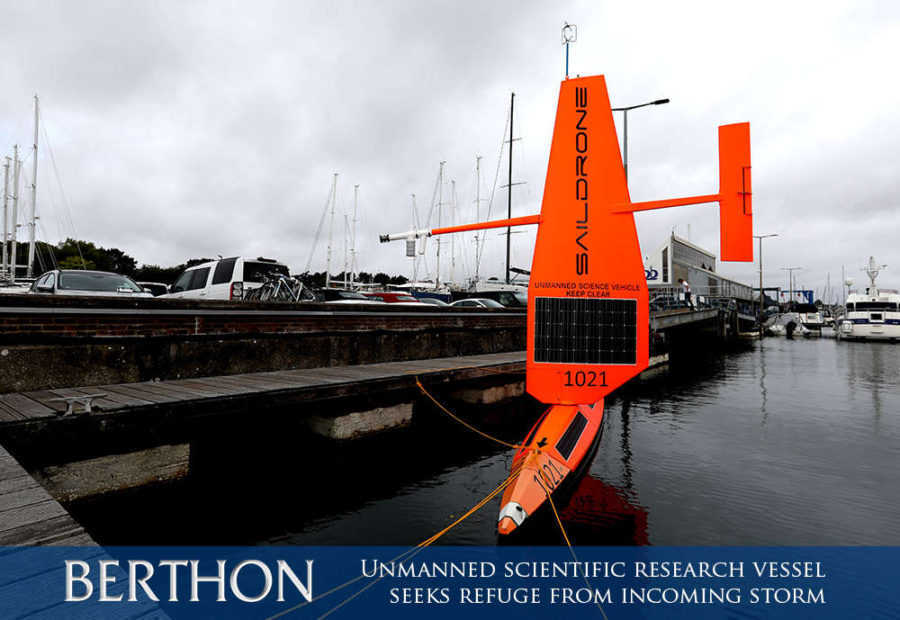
[664,298]
[731,290]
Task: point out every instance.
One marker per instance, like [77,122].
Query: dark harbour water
[784,443]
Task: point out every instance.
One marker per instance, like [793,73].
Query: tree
[155,273]
[313,280]
[118,261]
[74,262]
[77,254]
[80,254]
[196,261]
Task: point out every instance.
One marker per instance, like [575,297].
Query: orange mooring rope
[409,553]
[514,473]
[429,541]
[514,446]
[509,480]
[568,542]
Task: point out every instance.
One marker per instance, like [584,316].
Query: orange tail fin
[735,195]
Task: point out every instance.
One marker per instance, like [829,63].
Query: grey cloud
[189,129]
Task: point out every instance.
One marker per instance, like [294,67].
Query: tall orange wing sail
[588,312]
[587,303]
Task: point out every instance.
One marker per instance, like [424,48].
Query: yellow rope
[337,588]
[463,422]
[516,471]
[427,542]
[409,552]
[556,514]
[349,598]
[566,538]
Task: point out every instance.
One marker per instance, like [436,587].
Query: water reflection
[815,468]
[762,383]
[601,514]
[873,368]
[626,443]
[593,513]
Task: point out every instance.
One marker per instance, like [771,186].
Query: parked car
[340,296]
[86,283]
[226,278]
[476,302]
[392,297]
[432,301]
[508,299]
[154,288]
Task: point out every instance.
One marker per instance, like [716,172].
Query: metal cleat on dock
[86,401]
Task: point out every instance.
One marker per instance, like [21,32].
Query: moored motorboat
[790,325]
[873,314]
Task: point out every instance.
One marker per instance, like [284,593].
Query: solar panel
[585,331]
[567,442]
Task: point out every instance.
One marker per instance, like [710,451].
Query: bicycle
[280,288]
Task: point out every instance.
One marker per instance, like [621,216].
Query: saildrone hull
[555,454]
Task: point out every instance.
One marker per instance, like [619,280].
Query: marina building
[678,258]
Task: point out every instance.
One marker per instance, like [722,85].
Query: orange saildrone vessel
[588,313]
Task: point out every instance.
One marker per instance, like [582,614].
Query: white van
[226,278]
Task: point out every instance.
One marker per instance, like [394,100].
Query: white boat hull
[779,326]
[854,330]
[873,314]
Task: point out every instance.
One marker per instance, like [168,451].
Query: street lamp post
[790,271]
[761,237]
[624,112]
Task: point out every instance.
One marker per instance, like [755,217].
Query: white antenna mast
[29,270]
[331,231]
[872,270]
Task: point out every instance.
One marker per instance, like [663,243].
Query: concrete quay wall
[56,342]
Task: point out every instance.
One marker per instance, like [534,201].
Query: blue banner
[448,582]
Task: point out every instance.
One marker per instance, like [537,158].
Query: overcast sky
[193,129]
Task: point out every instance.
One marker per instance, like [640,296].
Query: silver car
[86,283]
[476,302]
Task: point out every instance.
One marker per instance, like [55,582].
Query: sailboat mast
[353,235]
[29,270]
[453,237]
[346,247]
[437,278]
[844,287]
[415,273]
[5,217]
[512,101]
[477,211]
[331,231]
[17,167]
